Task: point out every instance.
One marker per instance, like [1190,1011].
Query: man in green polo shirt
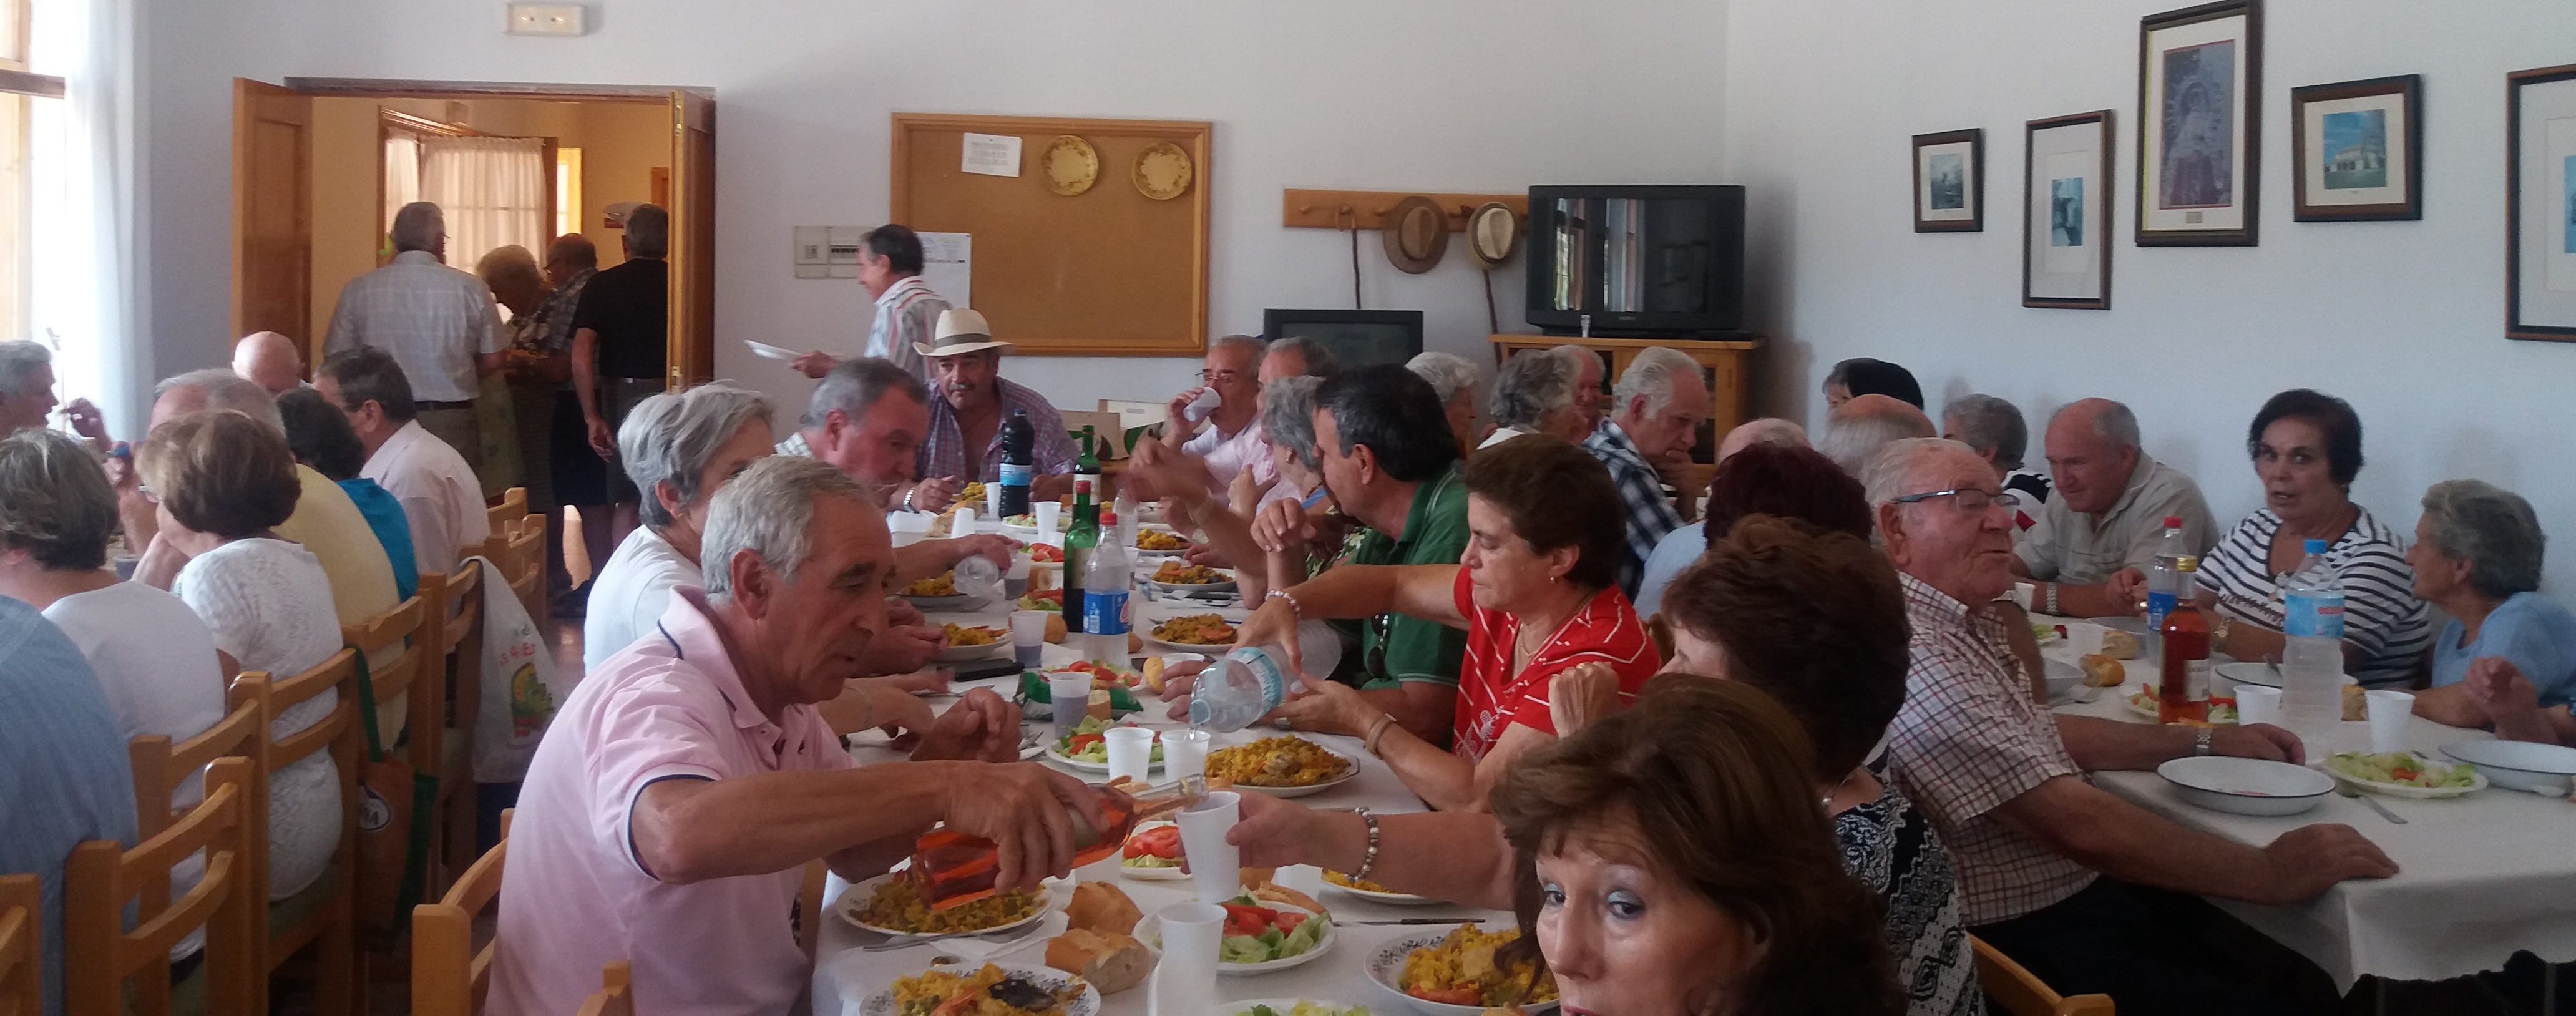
[1390,462]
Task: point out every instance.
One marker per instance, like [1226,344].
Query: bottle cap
[2316,546]
[2173,521]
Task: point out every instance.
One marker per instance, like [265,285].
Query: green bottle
[1080,540]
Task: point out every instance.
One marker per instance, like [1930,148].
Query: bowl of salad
[1260,936]
[1088,748]
[2403,774]
[1152,853]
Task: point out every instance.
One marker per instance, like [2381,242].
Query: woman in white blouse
[222,483]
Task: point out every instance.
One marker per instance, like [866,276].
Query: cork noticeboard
[1107,272]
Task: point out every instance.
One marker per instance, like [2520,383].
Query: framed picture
[2200,81]
[2540,204]
[2358,150]
[1950,182]
[2066,212]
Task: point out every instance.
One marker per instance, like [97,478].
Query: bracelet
[2052,599]
[1375,731]
[1368,861]
[1294,607]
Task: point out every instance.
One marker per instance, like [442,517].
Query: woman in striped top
[2306,448]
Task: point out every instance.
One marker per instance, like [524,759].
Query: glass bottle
[2183,692]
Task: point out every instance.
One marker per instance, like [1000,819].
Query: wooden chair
[527,567]
[452,626]
[449,977]
[615,996]
[22,955]
[2021,992]
[507,512]
[159,769]
[323,914]
[100,956]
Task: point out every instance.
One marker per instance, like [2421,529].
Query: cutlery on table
[2348,790]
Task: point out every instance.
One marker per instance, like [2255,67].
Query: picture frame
[2540,204]
[2200,85]
[2067,172]
[2357,150]
[1950,182]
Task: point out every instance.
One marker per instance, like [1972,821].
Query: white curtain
[492,191]
[82,297]
[402,174]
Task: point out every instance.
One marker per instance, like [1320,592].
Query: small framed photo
[2066,212]
[1950,182]
[2357,151]
[2200,82]
[2540,201]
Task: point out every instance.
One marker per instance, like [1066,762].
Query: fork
[999,945]
[2348,790]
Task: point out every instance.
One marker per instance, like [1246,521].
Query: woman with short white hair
[2477,556]
[679,448]
[1535,393]
[1453,378]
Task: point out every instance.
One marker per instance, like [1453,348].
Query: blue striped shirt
[63,771]
[1641,489]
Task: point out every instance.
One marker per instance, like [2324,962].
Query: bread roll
[1099,705]
[2356,703]
[2119,645]
[1273,892]
[1154,674]
[1099,906]
[2102,671]
[1112,963]
[1135,642]
[1055,628]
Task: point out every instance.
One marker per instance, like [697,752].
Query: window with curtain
[402,173]
[492,191]
[65,124]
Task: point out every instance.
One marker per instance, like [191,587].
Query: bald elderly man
[1860,426]
[269,360]
[2107,514]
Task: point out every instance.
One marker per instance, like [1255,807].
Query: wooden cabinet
[1725,366]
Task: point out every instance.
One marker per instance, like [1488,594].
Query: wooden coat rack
[1334,209]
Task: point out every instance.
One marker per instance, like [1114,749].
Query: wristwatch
[2200,741]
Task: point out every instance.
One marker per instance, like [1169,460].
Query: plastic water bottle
[2312,654]
[977,577]
[1252,680]
[1105,582]
[2165,583]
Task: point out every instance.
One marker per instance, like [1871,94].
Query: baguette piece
[1154,674]
[1273,892]
[1101,907]
[2119,645]
[1112,963]
[2101,671]
[1098,708]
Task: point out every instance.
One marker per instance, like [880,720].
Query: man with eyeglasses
[1233,442]
[2072,882]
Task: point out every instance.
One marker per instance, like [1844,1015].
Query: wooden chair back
[451,625]
[100,956]
[388,637]
[22,947]
[527,564]
[331,924]
[449,977]
[160,767]
[2022,993]
[506,513]
[616,996]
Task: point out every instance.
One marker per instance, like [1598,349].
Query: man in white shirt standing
[440,497]
[439,323]
[907,311]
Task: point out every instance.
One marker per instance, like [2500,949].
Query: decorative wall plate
[1070,165]
[1163,171]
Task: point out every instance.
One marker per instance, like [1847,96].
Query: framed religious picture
[2066,212]
[2357,150]
[2200,82]
[1950,182]
[2540,204]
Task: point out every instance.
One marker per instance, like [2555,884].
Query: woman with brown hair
[1537,592]
[1816,620]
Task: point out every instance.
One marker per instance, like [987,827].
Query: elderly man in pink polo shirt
[668,813]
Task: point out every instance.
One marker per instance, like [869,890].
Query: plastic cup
[1068,695]
[2084,637]
[993,500]
[962,523]
[1131,752]
[1047,513]
[2389,712]
[1216,866]
[1185,980]
[1028,638]
[2022,592]
[2258,704]
[1015,582]
[1185,753]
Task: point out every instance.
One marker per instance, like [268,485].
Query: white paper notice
[947,261]
[991,155]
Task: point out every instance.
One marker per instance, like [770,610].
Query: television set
[1637,262]
[1354,337]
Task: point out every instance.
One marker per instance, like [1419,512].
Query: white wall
[2404,319]
[1454,95]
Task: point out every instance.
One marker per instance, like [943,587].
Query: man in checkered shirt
[2055,872]
[1658,404]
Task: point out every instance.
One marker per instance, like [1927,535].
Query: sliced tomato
[1082,741]
[1287,920]
[1160,841]
[1244,920]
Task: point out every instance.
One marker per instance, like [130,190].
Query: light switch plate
[547,19]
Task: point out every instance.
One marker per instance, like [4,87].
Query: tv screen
[1654,261]
[1354,337]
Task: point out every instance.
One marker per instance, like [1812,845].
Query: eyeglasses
[1220,377]
[1966,499]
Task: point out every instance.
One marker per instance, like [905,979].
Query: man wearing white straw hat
[974,401]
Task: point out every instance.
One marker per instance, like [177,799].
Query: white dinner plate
[2477,782]
[881,1001]
[2221,714]
[929,603]
[772,352]
[1374,896]
[2543,769]
[1150,932]
[1177,588]
[1348,774]
[2260,674]
[854,900]
[1385,968]
[987,651]
[2246,786]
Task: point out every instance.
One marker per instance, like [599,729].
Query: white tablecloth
[844,975]
[2480,876]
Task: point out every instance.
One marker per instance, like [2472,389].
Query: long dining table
[2480,877]
[847,970]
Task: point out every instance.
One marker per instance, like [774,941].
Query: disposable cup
[962,523]
[2258,704]
[1185,753]
[1028,637]
[1215,865]
[2022,593]
[1185,980]
[1068,695]
[1047,513]
[2084,637]
[1131,752]
[2389,711]
[993,500]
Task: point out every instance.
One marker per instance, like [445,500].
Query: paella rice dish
[1156,539]
[1277,762]
[943,584]
[1462,970]
[970,635]
[897,905]
[1361,884]
[990,991]
[1174,573]
[1196,630]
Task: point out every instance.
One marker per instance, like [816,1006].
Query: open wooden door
[693,238]
[272,213]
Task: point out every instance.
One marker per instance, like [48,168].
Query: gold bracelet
[1376,731]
